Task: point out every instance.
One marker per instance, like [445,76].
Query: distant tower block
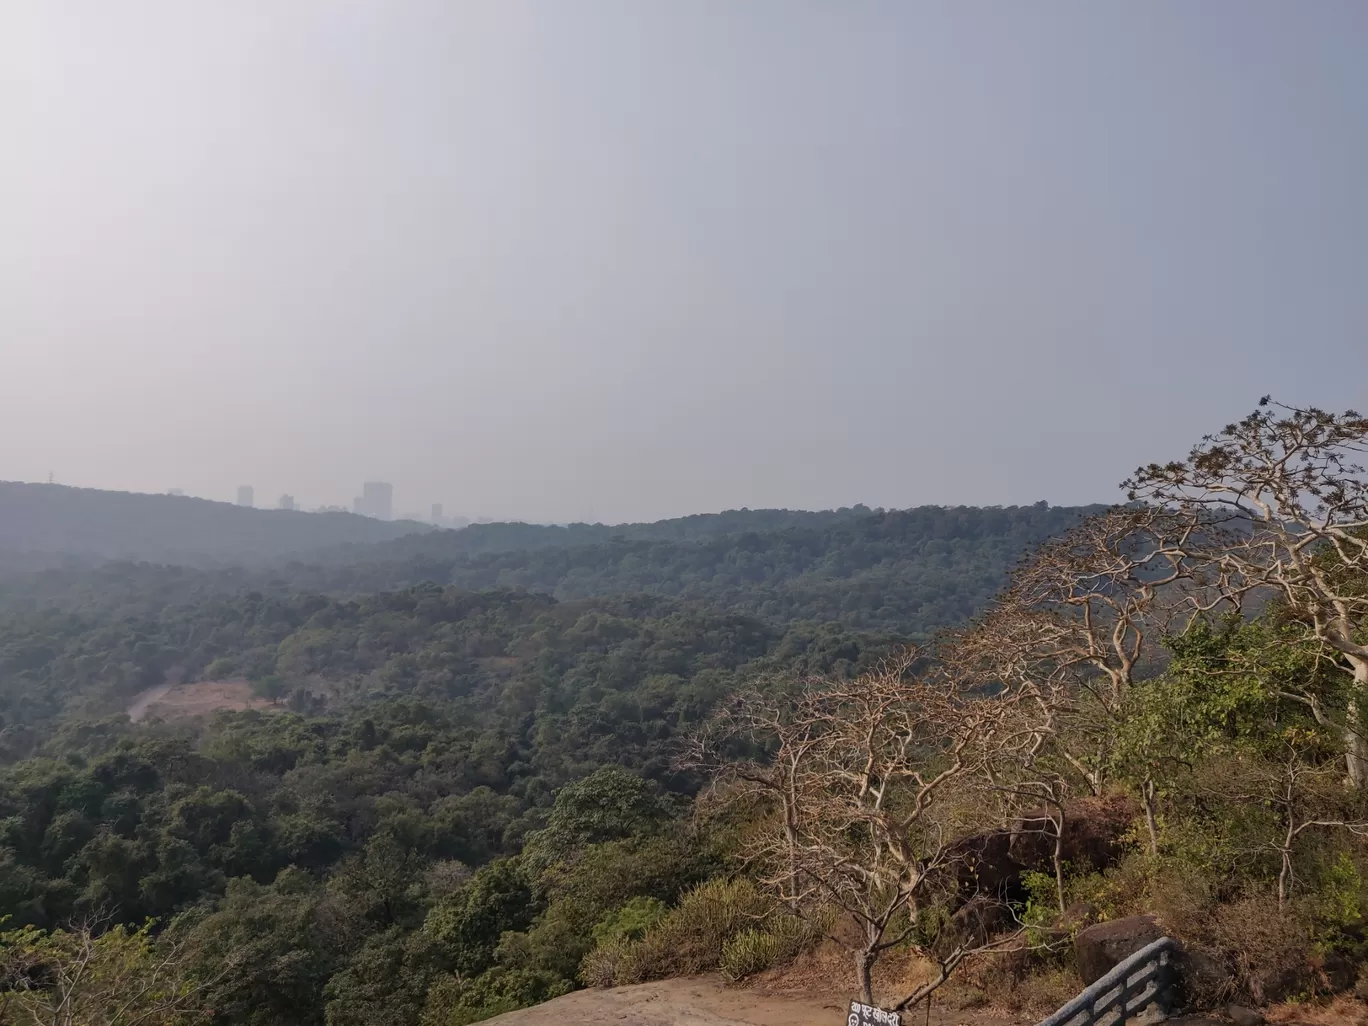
[436,512]
[246,497]
[286,502]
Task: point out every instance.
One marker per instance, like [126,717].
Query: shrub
[750,952]
[1268,947]
[457,1001]
[782,940]
[601,966]
[1019,980]
[688,940]
[725,924]
[631,921]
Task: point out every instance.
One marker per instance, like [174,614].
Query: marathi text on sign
[868,1015]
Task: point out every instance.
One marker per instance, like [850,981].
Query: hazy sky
[627,260]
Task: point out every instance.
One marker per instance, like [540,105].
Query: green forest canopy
[438,692]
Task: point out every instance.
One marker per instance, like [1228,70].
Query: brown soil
[1339,1011]
[182,701]
[709,1001]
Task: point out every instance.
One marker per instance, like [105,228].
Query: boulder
[1098,949]
[1093,833]
[991,863]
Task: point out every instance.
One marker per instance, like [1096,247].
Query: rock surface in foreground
[1100,948]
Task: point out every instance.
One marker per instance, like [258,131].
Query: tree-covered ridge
[55,521]
[912,571]
[481,539]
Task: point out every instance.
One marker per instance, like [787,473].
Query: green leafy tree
[469,923]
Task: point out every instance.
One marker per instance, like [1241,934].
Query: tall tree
[1284,505]
[862,789]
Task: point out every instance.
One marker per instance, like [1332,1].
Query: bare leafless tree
[856,790]
[1078,623]
[1290,500]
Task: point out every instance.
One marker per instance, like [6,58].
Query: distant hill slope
[912,571]
[38,520]
[482,539]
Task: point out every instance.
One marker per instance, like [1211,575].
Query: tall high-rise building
[286,502]
[437,513]
[376,500]
[246,496]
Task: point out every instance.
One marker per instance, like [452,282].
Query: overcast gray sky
[627,260]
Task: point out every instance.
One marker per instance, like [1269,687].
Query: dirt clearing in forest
[181,701]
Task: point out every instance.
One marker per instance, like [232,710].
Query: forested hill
[41,523]
[911,571]
[423,729]
[482,539]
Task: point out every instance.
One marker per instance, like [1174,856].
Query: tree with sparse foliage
[1284,502]
[857,794]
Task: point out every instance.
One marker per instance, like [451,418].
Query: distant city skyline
[437,516]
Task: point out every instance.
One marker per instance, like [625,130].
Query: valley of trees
[495,773]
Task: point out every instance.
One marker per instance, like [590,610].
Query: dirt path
[703,1001]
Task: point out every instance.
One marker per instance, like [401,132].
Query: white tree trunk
[1355,743]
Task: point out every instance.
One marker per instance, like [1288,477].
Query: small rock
[1242,1016]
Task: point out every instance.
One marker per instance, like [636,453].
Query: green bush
[457,1001]
[750,952]
[690,939]
[726,924]
[632,921]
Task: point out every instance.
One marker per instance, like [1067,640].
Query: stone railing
[1146,979]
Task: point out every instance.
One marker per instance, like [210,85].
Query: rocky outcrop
[1093,833]
[991,864]
[1202,981]
[1098,949]
[984,867]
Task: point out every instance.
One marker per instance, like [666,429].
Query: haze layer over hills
[41,521]
[907,571]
